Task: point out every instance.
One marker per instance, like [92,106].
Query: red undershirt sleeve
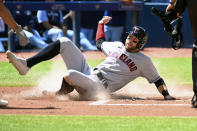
[100,31]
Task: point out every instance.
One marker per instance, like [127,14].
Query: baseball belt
[101,78]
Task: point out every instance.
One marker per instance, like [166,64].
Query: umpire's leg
[194,74]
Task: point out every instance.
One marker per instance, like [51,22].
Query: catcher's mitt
[174,32]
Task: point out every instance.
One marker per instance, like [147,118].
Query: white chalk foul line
[104,103]
[147,104]
[100,102]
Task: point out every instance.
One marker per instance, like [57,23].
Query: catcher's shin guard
[65,88]
[194,67]
[194,75]
[194,101]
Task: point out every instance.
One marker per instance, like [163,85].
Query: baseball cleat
[168,97]
[19,63]
[3,103]
[23,40]
[65,88]
[194,101]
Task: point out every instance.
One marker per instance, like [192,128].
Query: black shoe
[194,101]
[65,88]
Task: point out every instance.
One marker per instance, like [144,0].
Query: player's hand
[105,19]
[168,97]
[169,7]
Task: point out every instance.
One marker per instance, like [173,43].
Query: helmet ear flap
[140,45]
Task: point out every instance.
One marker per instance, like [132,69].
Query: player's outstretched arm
[100,35]
[162,88]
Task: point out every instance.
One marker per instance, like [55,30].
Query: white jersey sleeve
[108,47]
[149,71]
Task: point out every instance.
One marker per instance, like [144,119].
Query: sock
[46,53]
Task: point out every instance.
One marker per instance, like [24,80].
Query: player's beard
[130,49]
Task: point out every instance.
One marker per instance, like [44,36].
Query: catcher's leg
[194,101]
[194,76]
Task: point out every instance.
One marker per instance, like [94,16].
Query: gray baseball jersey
[118,69]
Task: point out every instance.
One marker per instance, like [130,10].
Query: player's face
[131,43]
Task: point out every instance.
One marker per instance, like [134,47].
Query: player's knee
[66,45]
[70,74]
[64,41]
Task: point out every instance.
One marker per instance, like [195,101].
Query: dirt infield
[30,101]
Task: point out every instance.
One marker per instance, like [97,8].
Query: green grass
[95,123]
[9,77]
[177,70]
[94,63]
[172,69]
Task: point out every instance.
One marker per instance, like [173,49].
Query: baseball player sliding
[123,64]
